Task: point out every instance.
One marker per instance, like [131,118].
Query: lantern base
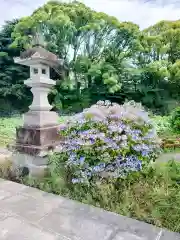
[27,165]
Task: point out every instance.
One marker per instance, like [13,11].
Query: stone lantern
[39,133]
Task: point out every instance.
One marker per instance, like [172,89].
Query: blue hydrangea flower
[77,180]
[81,160]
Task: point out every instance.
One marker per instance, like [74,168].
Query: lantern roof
[39,52]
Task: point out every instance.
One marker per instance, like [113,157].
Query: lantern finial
[38,38]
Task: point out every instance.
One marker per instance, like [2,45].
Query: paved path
[4,151]
[30,214]
[4,154]
[165,157]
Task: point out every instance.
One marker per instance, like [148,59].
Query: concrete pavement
[30,214]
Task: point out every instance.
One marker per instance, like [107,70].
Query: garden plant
[107,141]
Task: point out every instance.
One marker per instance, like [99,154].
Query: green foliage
[11,75]
[162,124]
[175,120]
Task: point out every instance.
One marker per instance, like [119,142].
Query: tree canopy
[106,58]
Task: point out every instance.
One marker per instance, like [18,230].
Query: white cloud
[143,14]
[10,9]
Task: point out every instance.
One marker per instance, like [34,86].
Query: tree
[169,34]
[157,60]
[11,75]
[105,58]
[93,45]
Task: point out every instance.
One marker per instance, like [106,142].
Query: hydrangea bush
[107,141]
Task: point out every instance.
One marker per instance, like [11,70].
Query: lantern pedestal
[33,144]
[40,119]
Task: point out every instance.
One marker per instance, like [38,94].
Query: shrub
[106,141]
[162,124]
[175,120]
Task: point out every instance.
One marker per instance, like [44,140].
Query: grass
[172,150]
[8,129]
[163,127]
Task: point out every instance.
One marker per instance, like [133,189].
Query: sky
[142,12]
